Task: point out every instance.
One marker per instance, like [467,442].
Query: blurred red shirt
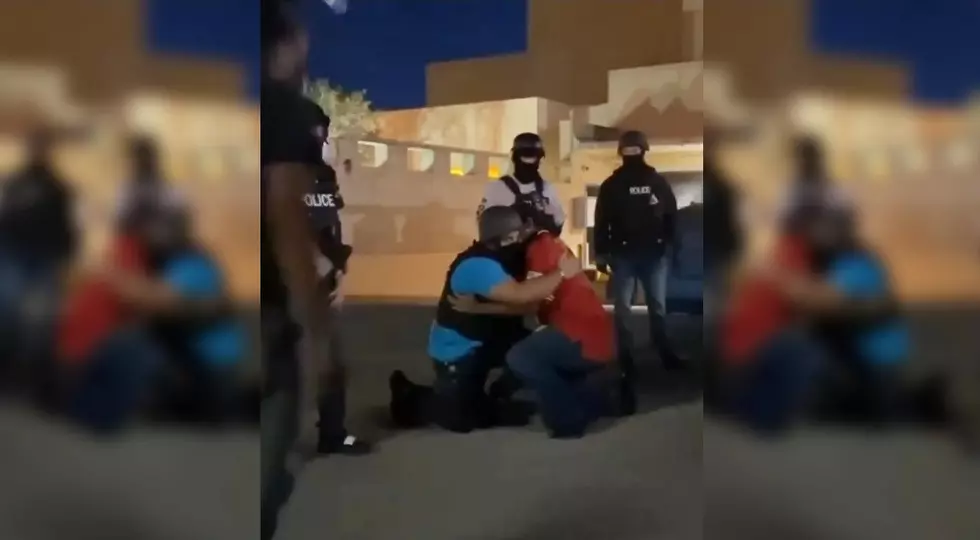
[94,311]
[758,310]
[575,309]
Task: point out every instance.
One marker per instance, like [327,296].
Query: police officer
[291,152]
[525,190]
[635,222]
[466,346]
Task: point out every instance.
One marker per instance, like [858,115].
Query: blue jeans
[777,386]
[116,380]
[552,366]
[25,334]
[651,272]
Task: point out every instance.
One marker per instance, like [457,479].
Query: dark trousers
[777,386]
[552,366]
[650,271]
[30,293]
[332,401]
[115,381]
[279,430]
[280,421]
[460,400]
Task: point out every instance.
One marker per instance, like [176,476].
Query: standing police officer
[324,203]
[635,222]
[291,152]
[525,190]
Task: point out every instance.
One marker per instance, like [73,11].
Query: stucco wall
[485,127]
[407,225]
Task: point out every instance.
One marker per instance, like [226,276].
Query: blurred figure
[146,187]
[110,358]
[811,185]
[635,233]
[769,358]
[723,239]
[38,239]
[107,358]
[819,272]
[869,348]
[723,232]
[203,348]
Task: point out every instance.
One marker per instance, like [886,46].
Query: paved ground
[657,476]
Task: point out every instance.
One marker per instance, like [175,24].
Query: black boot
[409,401]
[660,343]
[625,390]
[333,437]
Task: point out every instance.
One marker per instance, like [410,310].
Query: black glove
[602,264]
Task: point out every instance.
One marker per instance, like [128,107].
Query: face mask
[632,156]
[526,167]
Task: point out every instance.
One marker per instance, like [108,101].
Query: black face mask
[526,172]
[634,161]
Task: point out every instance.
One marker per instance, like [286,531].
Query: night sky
[384,45]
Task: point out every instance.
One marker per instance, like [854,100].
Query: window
[497,166]
[461,164]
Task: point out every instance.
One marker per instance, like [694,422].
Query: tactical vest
[479,328]
[325,202]
[531,206]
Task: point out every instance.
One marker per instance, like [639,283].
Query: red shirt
[575,309]
[94,311]
[758,310]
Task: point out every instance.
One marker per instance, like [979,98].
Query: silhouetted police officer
[635,222]
[292,306]
[525,190]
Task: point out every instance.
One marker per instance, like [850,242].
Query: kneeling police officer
[465,347]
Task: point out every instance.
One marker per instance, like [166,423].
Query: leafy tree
[350,112]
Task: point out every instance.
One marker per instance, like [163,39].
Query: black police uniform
[636,213]
[325,203]
[635,222]
[288,136]
[461,402]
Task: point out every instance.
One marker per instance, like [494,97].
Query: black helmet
[528,145]
[497,222]
[633,139]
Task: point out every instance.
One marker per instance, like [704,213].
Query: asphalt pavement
[664,474]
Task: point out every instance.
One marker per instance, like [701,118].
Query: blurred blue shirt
[194,275]
[860,275]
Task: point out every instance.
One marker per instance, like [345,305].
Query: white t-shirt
[498,194]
